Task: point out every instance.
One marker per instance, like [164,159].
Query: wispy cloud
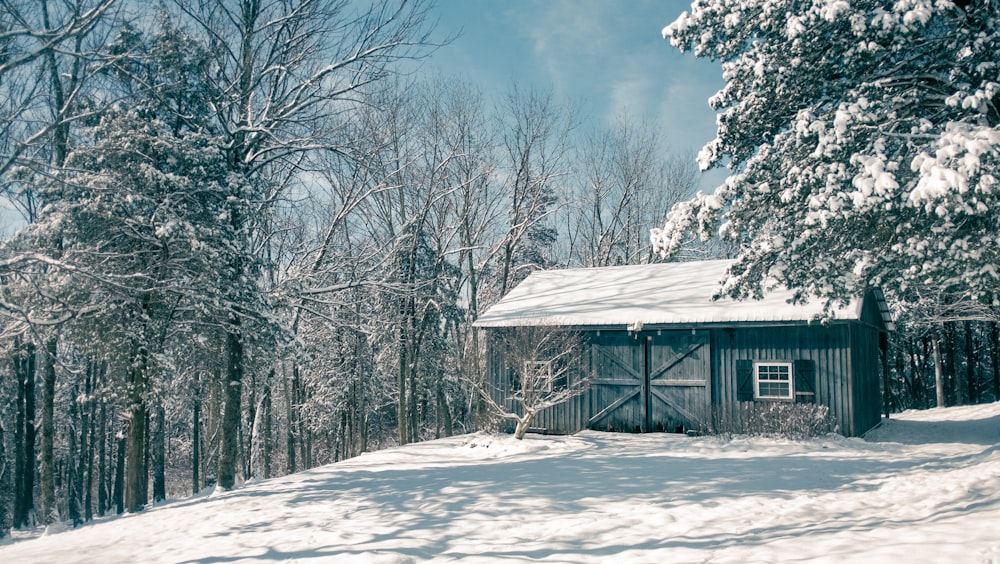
[612,56]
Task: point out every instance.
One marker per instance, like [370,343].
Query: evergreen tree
[863,142]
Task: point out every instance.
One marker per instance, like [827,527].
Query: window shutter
[744,380]
[805,381]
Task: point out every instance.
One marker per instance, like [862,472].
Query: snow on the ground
[924,487]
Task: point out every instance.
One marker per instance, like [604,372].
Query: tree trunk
[401,407]
[136,493]
[158,449]
[87,441]
[522,426]
[145,457]
[5,487]
[305,445]
[195,444]
[267,447]
[256,458]
[102,462]
[24,454]
[119,486]
[290,422]
[995,357]
[210,455]
[135,459]
[444,410]
[229,437]
[413,425]
[302,431]
[46,477]
[73,489]
[938,371]
[954,386]
[971,364]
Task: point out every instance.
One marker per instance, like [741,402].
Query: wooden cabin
[661,354]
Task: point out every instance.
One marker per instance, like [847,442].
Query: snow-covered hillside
[925,487]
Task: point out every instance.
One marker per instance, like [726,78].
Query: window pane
[774,380]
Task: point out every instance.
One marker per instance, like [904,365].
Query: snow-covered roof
[652,294]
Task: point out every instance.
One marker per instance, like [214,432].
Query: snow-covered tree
[286,73]
[863,142]
[134,241]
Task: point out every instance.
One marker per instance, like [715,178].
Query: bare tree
[536,141]
[626,184]
[544,366]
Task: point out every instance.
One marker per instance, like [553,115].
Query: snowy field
[925,487]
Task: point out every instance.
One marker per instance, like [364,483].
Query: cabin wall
[837,351]
[867,377]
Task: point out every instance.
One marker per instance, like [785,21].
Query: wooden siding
[664,380]
[867,376]
[827,346]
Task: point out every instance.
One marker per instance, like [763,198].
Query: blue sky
[607,56]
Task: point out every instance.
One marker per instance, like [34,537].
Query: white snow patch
[923,487]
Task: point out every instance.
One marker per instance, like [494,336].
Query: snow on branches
[863,140]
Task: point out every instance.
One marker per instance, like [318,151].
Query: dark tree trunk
[87,441]
[444,411]
[196,443]
[102,461]
[971,365]
[305,440]
[938,372]
[290,423]
[18,512]
[136,493]
[259,459]
[6,487]
[24,454]
[74,489]
[46,478]
[305,444]
[995,357]
[210,442]
[954,386]
[135,460]
[145,456]
[158,449]
[118,493]
[231,410]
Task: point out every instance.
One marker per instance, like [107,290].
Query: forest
[252,241]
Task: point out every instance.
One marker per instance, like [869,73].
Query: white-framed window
[538,375]
[773,380]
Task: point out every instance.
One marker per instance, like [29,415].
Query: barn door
[618,390]
[678,376]
[652,381]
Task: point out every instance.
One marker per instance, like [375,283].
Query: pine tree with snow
[863,140]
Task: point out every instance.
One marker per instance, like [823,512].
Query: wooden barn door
[678,375]
[618,390]
[651,381]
